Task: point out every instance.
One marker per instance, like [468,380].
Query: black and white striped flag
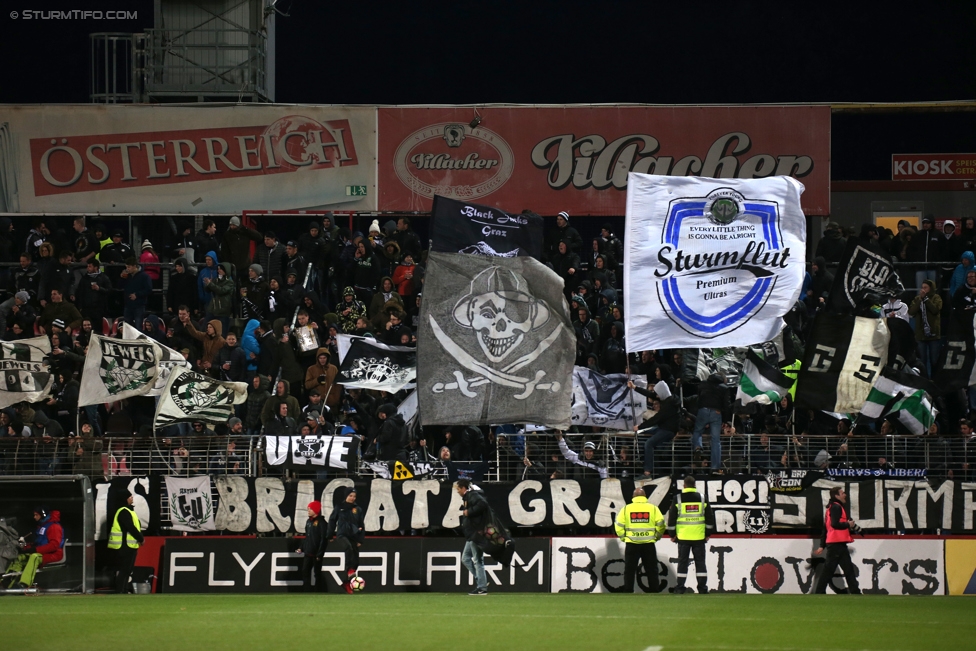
[843,359]
[26,373]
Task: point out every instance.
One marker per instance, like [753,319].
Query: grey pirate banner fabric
[496,344]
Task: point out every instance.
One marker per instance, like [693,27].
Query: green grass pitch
[403,622]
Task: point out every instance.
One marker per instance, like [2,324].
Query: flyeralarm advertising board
[193,159]
[577,158]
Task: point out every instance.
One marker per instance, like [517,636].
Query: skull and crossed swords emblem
[499,314]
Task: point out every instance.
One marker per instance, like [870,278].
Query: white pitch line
[654,648]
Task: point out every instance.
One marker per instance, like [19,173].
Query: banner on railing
[269,505]
[191,505]
[112,494]
[302,451]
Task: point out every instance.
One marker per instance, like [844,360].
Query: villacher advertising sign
[577,158]
[185,159]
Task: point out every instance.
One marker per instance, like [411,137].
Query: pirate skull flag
[496,344]
[605,400]
[116,369]
[26,373]
[191,396]
[168,358]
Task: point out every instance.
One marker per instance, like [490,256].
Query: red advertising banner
[932,167]
[577,159]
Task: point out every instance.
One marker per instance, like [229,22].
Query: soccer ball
[358,583]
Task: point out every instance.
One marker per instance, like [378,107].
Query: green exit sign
[355,190]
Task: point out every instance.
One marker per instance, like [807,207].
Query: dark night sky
[577,52]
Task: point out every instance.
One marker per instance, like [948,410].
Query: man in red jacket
[45,545]
[838,527]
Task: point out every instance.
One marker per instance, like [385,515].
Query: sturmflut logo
[719,260]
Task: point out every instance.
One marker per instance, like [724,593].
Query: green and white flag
[761,382]
[904,395]
[191,396]
[168,359]
[116,369]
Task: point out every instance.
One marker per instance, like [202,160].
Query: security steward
[838,527]
[125,538]
[639,525]
[690,523]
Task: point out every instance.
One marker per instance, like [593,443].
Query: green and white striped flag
[761,382]
[191,396]
[905,395]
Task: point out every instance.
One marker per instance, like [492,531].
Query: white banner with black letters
[191,505]
[719,261]
[324,451]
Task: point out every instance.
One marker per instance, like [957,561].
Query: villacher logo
[719,261]
[454,161]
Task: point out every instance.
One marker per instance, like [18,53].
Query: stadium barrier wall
[779,565]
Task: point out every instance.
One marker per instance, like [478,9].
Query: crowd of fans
[243,305]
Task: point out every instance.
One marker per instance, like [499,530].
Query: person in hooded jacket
[182,287]
[662,426]
[347,527]
[212,340]
[566,264]
[614,351]
[254,294]
[281,422]
[42,547]
[389,432]
[349,309]
[926,308]
[250,346]
[832,244]
[967,260]
[136,290]
[587,335]
[207,272]
[389,258]
[386,293]
[221,290]
[320,378]
[257,395]
[152,327]
[282,396]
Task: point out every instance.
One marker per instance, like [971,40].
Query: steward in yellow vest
[639,525]
[125,538]
[690,523]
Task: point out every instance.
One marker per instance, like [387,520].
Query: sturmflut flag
[905,395]
[761,382]
[718,262]
[191,396]
[324,451]
[26,372]
[462,227]
[369,364]
[843,358]
[116,369]
[605,401]
[168,359]
[496,344]
[191,506]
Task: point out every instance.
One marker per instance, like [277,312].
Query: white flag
[168,359]
[191,506]
[191,396]
[26,373]
[718,262]
[116,369]
[605,401]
